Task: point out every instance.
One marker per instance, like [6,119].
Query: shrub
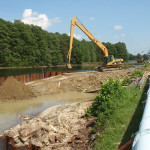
[107,99]
[126,81]
[137,73]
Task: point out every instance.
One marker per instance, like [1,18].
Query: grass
[124,121]
[146,65]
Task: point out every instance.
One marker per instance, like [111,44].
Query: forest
[29,45]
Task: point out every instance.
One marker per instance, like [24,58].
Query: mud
[15,90]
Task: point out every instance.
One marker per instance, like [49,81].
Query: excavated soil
[15,90]
[80,82]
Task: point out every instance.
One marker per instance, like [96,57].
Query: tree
[145,57]
[139,56]
[29,45]
[132,57]
[122,51]
[111,49]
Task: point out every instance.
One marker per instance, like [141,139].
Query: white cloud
[91,18]
[78,36]
[123,35]
[30,17]
[118,27]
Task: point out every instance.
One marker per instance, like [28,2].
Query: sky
[111,21]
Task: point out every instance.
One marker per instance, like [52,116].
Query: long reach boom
[108,60]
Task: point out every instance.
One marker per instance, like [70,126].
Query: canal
[21,71]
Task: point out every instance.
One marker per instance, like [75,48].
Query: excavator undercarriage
[108,68]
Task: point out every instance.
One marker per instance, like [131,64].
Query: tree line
[29,45]
[139,56]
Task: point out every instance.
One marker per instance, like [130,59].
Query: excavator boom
[108,60]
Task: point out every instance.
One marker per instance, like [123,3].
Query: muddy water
[9,111]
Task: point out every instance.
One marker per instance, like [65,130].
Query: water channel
[9,111]
[21,71]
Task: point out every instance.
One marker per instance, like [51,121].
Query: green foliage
[29,45]
[145,57]
[114,107]
[132,57]
[124,121]
[126,81]
[139,56]
[107,100]
[146,65]
[137,73]
[122,51]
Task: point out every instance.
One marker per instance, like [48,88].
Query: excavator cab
[108,60]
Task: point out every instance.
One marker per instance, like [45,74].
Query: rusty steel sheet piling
[32,77]
[7,143]
[59,73]
[26,78]
[53,73]
[2,80]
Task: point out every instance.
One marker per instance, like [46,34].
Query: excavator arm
[109,61]
[91,37]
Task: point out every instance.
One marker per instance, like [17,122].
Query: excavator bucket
[68,66]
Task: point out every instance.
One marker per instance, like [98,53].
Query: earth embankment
[80,82]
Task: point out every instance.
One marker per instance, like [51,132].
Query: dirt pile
[15,90]
[60,127]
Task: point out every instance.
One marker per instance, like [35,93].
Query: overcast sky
[112,21]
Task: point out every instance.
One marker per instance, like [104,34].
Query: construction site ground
[63,127]
[79,81]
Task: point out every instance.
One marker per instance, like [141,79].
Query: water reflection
[21,71]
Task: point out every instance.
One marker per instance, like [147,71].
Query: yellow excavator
[108,62]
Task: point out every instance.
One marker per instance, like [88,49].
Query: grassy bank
[124,121]
[146,65]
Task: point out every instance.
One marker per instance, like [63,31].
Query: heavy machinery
[140,60]
[108,62]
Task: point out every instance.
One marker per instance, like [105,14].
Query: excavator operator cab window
[108,59]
